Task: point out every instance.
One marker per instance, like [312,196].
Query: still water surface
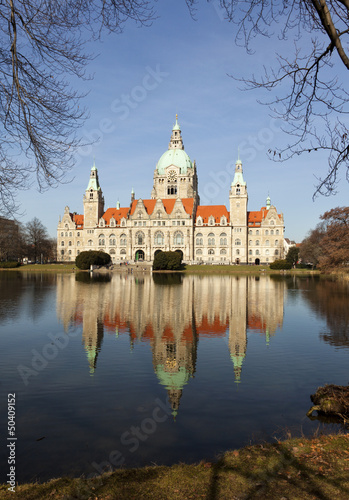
[143,370]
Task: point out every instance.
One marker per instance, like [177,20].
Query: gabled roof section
[217,211]
[78,219]
[117,213]
[149,205]
[257,216]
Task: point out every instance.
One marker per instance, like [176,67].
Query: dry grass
[294,469]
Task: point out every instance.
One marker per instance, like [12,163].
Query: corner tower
[93,200]
[175,175]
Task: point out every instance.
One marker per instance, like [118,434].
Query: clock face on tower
[172,175]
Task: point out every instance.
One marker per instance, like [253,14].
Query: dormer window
[211,221]
[199,221]
[223,221]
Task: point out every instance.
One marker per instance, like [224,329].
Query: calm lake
[136,370]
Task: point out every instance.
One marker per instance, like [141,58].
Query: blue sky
[142,78]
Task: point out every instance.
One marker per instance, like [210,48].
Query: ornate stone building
[173,219]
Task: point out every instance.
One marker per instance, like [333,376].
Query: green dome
[176,157]
[172,380]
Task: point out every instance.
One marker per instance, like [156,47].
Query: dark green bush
[167,261]
[10,264]
[86,259]
[280,264]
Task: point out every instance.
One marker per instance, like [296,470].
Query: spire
[118,205]
[176,141]
[132,195]
[93,182]
[238,176]
[268,202]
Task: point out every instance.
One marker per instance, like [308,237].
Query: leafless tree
[313,101]
[42,51]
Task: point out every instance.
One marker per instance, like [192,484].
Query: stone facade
[173,219]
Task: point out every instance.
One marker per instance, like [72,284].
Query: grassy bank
[44,267]
[294,469]
[241,269]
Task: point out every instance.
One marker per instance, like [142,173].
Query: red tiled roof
[256,217]
[149,205]
[217,211]
[117,213]
[79,220]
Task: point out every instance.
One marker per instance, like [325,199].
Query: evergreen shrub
[167,261]
[280,264]
[9,264]
[85,259]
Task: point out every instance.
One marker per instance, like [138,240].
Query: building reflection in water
[171,314]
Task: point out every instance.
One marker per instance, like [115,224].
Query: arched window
[257,242]
[123,240]
[159,238]
[276,231]
[101,240]
[276,242]
[122,251]
[78,252]
[66,226]
[257,252]
[211,251]
[238,189]
[178,238]
[199,221]
[267,251]
[272,222]
[266,232]
[250,231]
[62,243]
[69,252]
[112,240]
[257,232]
[199,252]
[62,252]
[62,234]
[158,214]
[211,239]
[237,252]
[140,238]
[90,243]
[223,221]
[69,243]
[78,243]
[267,243]
[199,239]
[223,251]
[250,243]
[91,196]
[112,251]
[272,231]
[238,241]
[66,234]
[276,252]
[139,215]
[211,221]
[223,238]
